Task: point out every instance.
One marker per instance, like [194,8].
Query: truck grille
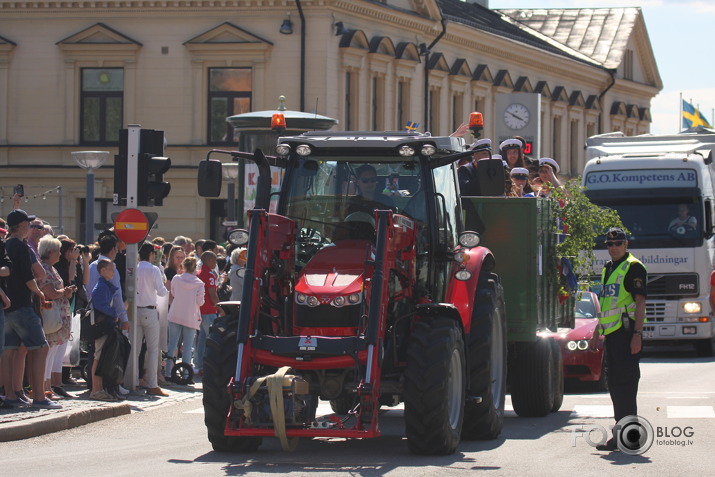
[654,312]
[673,285]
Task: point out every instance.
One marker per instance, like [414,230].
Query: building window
[574,148]
[101,105]
[556,140]
[403,101]
[628,65]
[434,111]
[457,111]
[230,91]
[351,101]
[377,103]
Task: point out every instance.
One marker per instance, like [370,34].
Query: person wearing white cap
[521,185]
[547,173]
[511,149]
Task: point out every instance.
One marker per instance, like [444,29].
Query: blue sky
[681,35]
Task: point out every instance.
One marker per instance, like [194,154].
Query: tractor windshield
[334,199]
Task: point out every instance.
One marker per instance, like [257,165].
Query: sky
[681,35]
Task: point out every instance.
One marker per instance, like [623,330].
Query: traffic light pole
[131,375]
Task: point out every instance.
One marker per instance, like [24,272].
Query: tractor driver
[369,196]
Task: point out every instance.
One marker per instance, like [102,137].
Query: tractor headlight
[300,298]
[312,301]
[303,150]
[406,151]
[463,275]
[354,299]
[282,149]
[339,301]
[428,150]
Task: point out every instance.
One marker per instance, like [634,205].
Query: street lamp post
[89,161]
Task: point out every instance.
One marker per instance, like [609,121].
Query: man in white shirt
[150,286]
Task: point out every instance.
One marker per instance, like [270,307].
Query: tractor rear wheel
[532,379]
[219,368]
[435,386]
[344,404]
[487,365]
[558,376]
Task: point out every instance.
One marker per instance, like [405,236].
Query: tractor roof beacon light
[278,122]
[476,123]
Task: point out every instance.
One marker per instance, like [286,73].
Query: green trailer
[522,234]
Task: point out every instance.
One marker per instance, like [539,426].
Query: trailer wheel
[487,365]
[558,376]
[705,348]
[435,385]
[532,380]
[219,368]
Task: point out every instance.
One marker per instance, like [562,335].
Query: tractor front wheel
[435,386]
[219,367]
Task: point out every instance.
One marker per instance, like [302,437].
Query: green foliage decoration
[584,222]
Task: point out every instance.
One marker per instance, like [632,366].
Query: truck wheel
[219,367]
[434,388]
[487,365]
[532,380]
[558,376]
[704,348]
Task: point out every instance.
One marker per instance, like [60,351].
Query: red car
[580,361]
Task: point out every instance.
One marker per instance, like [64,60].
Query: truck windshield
[658,222]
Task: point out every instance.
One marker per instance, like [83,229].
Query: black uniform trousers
[623,372]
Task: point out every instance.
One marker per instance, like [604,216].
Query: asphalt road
[677,397]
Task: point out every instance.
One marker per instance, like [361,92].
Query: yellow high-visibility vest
[614,298]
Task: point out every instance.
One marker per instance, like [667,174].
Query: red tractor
[360,297]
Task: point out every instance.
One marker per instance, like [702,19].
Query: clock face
[516,116]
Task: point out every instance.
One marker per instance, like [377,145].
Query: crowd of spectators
[47,281]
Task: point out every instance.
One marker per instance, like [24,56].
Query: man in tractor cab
[369,196]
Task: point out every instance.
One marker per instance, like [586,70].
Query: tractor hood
[336,270]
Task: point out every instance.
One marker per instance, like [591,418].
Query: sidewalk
[23,423]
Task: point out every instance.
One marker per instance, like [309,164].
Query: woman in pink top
[187,291]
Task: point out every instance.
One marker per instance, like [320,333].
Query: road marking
[681,412]
[195,411]
[591,411]
[687,397]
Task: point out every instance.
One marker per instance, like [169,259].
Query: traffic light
[151,188]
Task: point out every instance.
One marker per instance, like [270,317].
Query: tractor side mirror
[209,178]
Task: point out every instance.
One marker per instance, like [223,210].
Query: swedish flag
[411,126]
[692,117]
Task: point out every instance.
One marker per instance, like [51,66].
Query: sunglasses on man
[37,226]
[614,244]
[369,180]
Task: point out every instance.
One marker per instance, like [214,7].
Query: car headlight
[583,345]
[571,346]
[691,307]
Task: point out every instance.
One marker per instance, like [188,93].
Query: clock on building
[516,116]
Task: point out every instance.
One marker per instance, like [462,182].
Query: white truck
[662,188]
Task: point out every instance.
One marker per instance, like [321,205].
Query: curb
[61,422]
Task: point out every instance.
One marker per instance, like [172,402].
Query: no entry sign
[131,226]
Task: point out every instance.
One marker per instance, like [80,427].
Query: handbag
[51,318]
[94,324]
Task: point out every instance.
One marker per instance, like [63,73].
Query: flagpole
[680,118]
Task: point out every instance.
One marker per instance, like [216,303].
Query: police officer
[622,299]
